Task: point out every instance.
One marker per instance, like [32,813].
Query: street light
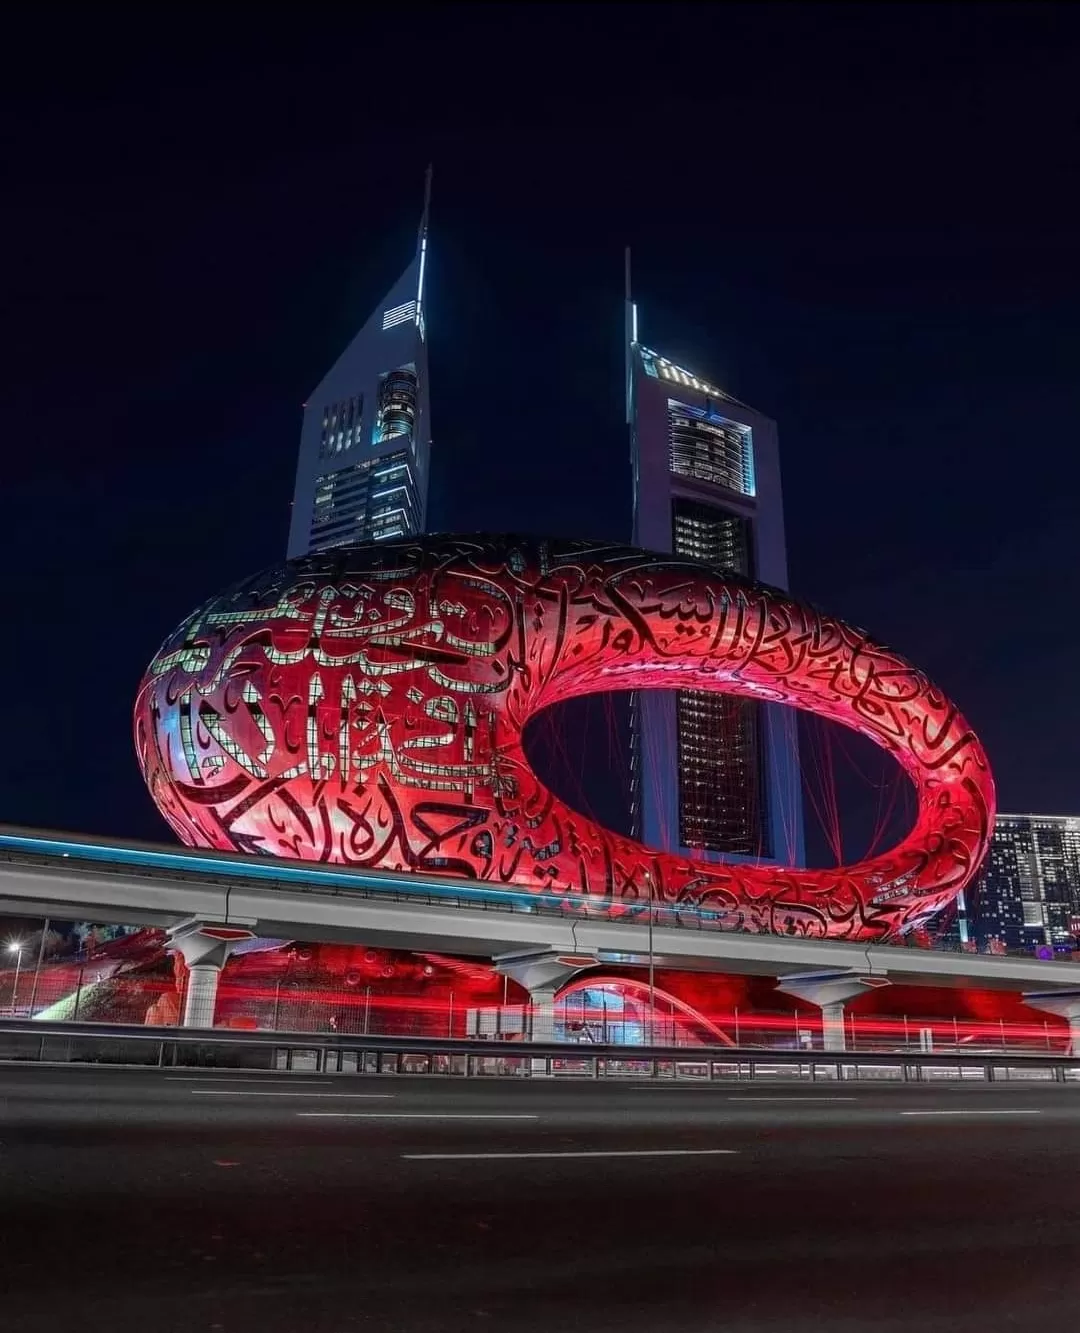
[37,966]
[15,947]
[652,971]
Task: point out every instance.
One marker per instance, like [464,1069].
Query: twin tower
[713,775]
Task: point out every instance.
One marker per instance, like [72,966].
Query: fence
[84,991]
[88,991]
[72,1043]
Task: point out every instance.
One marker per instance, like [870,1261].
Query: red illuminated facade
[365,706]
[358,990]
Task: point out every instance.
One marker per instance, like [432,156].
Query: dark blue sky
[861,220]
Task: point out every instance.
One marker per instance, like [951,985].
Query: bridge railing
[377,1057]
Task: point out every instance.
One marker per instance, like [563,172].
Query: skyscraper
[713,774]
[365,442]
[1028,892]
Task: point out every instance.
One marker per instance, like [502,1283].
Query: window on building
[395,413]
[399,314]
[341,426]
[711,534]
[369,501]
[721,789]
[708,447]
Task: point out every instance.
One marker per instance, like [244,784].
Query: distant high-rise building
[365,442]
[1028,891]
[712,774]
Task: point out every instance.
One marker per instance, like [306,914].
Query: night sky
[861,220]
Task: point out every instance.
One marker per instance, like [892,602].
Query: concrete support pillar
[542,1016]
[830,991]
[200,1000]
[543,975]
[205,949]
[833,1035]
[1064,1003]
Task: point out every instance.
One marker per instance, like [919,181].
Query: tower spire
[421,250]
[427,205]
[630,334]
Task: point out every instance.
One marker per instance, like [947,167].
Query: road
[165,1200]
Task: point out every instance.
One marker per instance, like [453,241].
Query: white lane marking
[745,1097]
[412,1115]
[357,1096]
[971,1111]
[1013,1085]
[265,1082]
[507,1156]
[793,1099]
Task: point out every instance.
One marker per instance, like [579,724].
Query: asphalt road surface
[164,1200]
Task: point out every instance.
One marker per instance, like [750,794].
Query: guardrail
[332,1053]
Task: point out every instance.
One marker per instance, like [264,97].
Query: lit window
[400,314]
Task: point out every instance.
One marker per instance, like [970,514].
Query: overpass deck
[72,877]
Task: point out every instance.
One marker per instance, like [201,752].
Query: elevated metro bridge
[72,877]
